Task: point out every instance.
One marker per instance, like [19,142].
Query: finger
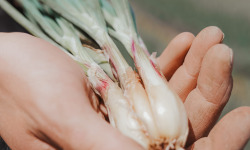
[173,56]
[205,103]
[54,92]
[185,78]
[231,133]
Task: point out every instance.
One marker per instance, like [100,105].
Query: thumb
[232,132]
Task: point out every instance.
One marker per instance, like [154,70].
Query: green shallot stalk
[27,24]
[168,109]
[87,16]
[53,30]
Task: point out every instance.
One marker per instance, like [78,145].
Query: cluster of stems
[141,106]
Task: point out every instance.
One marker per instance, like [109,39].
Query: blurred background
[160,21]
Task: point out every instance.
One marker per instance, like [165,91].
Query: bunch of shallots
[142,107]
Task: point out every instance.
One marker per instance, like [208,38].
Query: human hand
[199,70]
[56,113]
[45,102]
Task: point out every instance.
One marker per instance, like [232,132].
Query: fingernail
[223,36]
[231,55]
